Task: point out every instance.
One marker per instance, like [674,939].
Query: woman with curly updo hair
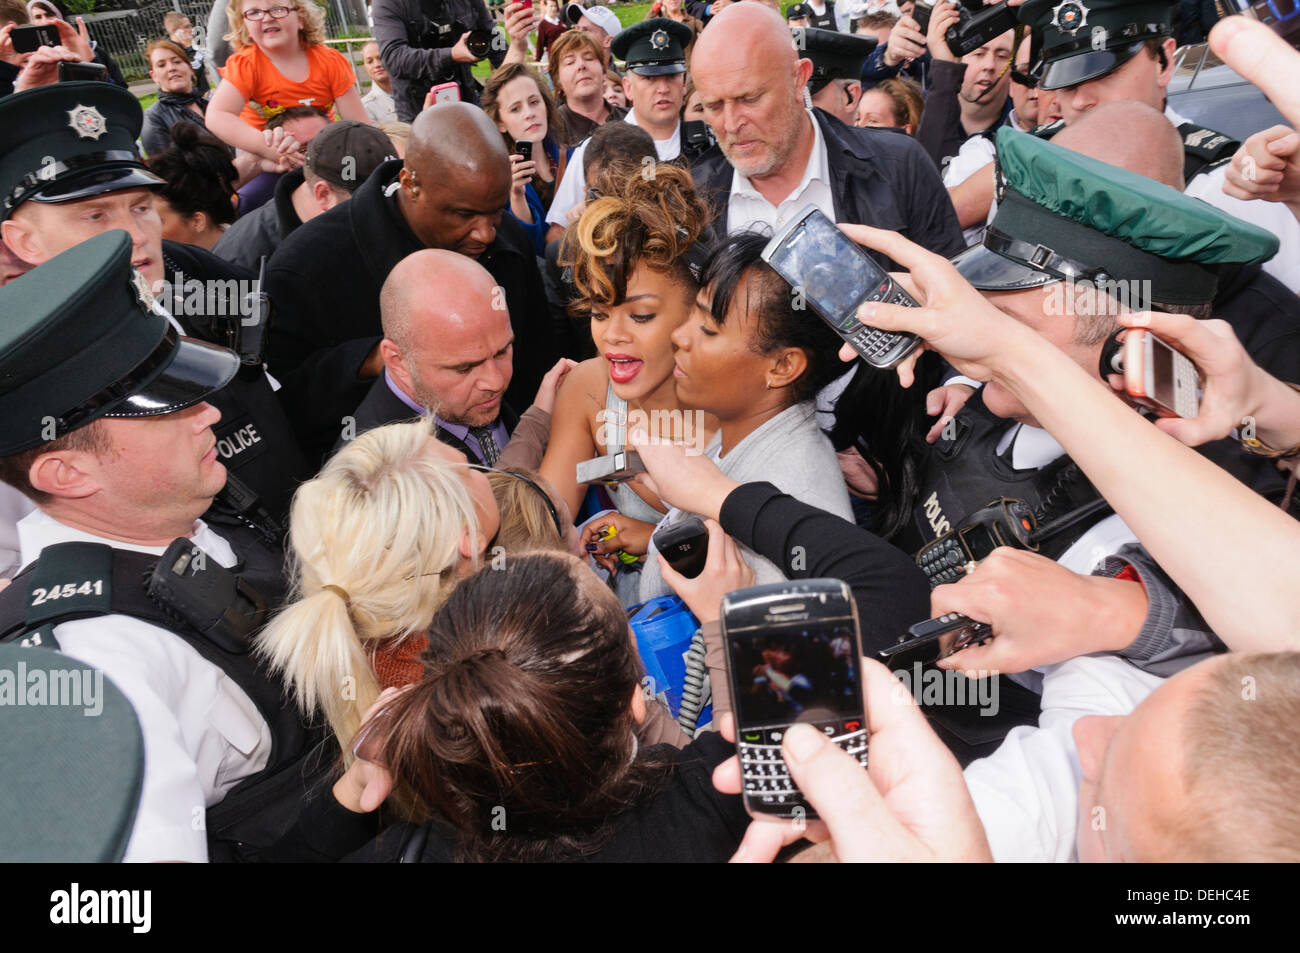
[631,254]
[196,203]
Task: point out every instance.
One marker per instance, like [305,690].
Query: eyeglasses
[257,13]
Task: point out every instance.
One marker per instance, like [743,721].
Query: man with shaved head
[451,355]
[449,193]
[776,154]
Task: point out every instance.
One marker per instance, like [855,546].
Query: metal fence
[126,33]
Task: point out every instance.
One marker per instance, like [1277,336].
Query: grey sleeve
[1174,636]
[400,58]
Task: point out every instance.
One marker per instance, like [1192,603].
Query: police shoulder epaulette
[1207,145]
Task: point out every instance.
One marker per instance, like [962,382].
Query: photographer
[427,42]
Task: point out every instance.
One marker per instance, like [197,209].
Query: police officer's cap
[655,47]
[1065,216]
[69,141]
[796,11]
[834,55]
[81,339]
[1085,39]
[83,736]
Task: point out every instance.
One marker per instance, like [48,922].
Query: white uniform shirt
[1027,791]
[1270,216]
[379,106]
[573,187]
[749,211]
[202,733]
[975,153]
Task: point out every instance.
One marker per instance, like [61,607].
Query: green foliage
[79,6]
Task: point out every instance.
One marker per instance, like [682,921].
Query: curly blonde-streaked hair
[382,522]
[641,219]
[310,17]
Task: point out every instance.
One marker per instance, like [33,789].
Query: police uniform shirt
[573,187]
[747,210]
[1271,216]
[975,153]
[202,733]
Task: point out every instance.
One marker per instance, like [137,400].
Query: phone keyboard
[766,779]
[943,561]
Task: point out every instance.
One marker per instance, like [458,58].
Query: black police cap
[81,339]
[1085,39]
[654,47]
[69,141]
[834,55]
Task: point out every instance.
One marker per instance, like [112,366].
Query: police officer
[105,426]
[68,171]
[655,53]
[837,58]
[1099,51]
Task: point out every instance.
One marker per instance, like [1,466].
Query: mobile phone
[1004,522]
[835,277]
[526,4]
[685,544]
[446,93]
[1160,377]
[82,72]
[524,148]
[697,135]
[27,39]
[792,658]
[933,639]
[611,468]
[1282,16]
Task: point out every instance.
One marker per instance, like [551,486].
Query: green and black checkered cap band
[79,342]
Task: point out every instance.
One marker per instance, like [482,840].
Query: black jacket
[881,179]
[382,406]
[940,131]
[254,438]
[261,231]
[400,29]
[162,115]
[325,281]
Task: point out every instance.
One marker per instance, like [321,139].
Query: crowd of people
[337,433]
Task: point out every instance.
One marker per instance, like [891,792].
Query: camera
[440,33]
[978,25]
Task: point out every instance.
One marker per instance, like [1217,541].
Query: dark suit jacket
[325,279]
[878,178]
[382,406]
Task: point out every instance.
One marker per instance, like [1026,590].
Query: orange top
[252,73]
[399,663]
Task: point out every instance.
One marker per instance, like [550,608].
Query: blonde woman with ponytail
[376,541]
[629,255]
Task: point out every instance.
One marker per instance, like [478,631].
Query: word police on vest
[235,443]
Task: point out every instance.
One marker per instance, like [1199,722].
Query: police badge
[142,290]
[1069,16]
[88,121]
[659,40]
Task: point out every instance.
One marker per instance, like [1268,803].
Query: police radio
[1003,522]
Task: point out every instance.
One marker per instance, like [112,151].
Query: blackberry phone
[933,639]
[685,544]
[833,275]
[793,651]
[1003,522]
[524,149]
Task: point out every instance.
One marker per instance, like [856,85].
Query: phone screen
[979,540]
[830,270]
[796,674]
[1162,371]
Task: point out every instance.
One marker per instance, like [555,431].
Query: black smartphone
[27,39]
[792,658]
[685,544]
[524,148]
[1003,522]
[82,72]
[831,273]
[933,639]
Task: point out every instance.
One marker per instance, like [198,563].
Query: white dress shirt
[1270,216]
[747,210]
[379,105]
[202,733]
[573,187]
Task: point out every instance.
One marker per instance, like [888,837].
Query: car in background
[1208,92]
